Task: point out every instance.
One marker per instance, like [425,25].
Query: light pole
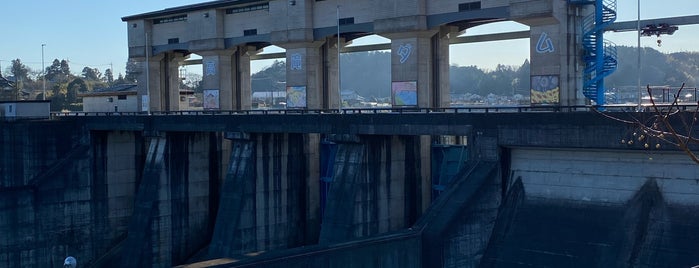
[638,47]
[339,91]
[43,71]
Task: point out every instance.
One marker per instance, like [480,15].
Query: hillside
[368,73]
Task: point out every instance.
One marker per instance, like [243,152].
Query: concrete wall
[557,203]
[597,209]
[605,177]
[172,215]
[45,196]
[266,200]
[376,187]
[67,192]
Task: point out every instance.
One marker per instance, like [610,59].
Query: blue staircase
[600,56]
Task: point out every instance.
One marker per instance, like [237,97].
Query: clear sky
[91,33]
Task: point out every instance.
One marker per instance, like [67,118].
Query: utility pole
[339,74]
[638,63]
[43,71]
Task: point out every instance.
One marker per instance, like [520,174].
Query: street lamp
[638,47]
[339,91]
[43,71]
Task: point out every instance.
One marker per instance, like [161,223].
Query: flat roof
[188,8]
[26,101]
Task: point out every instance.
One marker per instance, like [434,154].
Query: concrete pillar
[556,67]
[149,83]
[304,75]
[331,73]
[170,81]
[311,148]
[217,79]
[160,83]
[420,68]
[242,88]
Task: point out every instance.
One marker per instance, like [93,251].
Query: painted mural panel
[404,93]
[545,89]
[211,99]
[296,97]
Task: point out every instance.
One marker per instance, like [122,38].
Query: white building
[12,110]
[120,98]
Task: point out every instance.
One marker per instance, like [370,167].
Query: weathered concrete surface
[45,194]
[645,232]
[598,209]
[72,192]
[376,187]
[571,204]
[172,211]
[458,225]
[264,196]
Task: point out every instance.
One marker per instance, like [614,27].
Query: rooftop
[124,89]
[188,8]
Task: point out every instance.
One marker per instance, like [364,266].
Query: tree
[133,70]
[466,79]
[19,70]
[92,74]
[74,87]
[523,79]
[109,76]
[120,80]
[53,72]
[270,78]
[65,69]
[193,82]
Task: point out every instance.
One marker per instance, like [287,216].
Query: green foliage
[92,74]
[109,76]
[64,68]
[192,82]
[272,78]
[504,80]
[132,71]
[53,72]
[19,70]
[367,73]
[657,69]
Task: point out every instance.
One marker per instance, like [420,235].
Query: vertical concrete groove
[338,221]
[138,244]
[446,211]
[237,190]
[643,210]
[506,217]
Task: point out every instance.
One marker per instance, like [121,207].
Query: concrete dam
[544,189]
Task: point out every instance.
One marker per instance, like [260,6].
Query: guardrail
[470,109]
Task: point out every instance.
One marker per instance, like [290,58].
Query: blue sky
[91,33]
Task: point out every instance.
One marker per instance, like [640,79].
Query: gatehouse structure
[227,33]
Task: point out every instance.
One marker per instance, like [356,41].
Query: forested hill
[369,73]
[656,68]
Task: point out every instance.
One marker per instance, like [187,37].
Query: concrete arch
[259,41]
[467,19]
[349,32]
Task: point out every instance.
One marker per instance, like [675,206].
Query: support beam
[625,26]
[616,27]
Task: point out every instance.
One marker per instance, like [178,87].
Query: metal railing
[358,111]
